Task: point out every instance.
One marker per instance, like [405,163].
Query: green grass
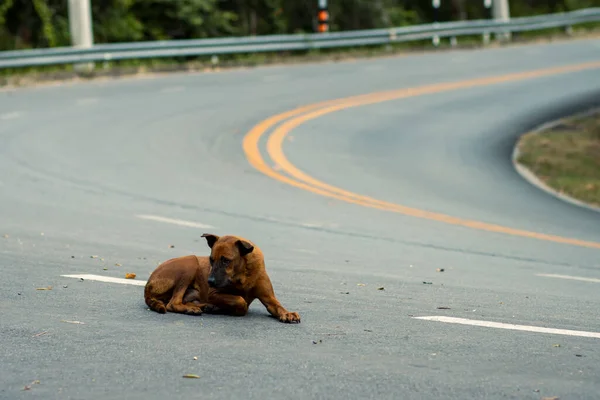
[33,75]
[566,157]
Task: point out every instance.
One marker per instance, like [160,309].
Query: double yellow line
[285,122]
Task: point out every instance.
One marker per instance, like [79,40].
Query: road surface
[357,205]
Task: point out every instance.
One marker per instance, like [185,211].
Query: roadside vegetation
[44,23]
[566,156]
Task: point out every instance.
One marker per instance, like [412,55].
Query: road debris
[360,284]
[117,265]
[315,342]
[130,275]
[172,246]
[444,308]
[550,398]
[439,269]
[191,376]
[381,288]
[5,236]
[93,256]
[28,387]
[40,334]
[427,283]
[556,345]
[195,358]
[72,322]
[44,288]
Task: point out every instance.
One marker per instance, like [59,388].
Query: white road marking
[175,221]
[110,279]
[10,115]
[528,328]
[575,278]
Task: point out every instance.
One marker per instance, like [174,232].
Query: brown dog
[227,282]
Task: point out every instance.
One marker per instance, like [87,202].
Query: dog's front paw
[290,317]
[194,310]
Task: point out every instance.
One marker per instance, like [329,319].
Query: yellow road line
[296,117]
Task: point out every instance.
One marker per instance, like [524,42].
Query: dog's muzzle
[211,281]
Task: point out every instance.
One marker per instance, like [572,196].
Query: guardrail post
[436,5]
[487,4]
[80,26]
[501,13]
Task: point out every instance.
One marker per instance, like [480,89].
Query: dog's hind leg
[152,298]
[178,306]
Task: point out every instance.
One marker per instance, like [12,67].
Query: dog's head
[227,260]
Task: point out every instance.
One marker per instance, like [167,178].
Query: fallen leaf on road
[381,288]
[172,246]
[191,376]
[440,269]
[195,358]
[360,284]
[427,283]
[44,288]
[117,265]
[444,308]
[130,275]
[93,256]
[556,345]
[28,387]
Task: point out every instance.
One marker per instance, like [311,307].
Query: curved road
[345,198]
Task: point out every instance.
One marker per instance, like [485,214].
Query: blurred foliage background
[44,23]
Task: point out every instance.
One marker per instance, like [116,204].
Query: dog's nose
[211,281]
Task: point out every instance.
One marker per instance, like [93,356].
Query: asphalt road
[80,163]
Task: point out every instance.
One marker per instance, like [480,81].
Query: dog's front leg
[220,303]
[266,295]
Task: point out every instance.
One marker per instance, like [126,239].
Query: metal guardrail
[267,43]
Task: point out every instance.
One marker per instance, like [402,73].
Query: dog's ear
[244,247]
[210,239]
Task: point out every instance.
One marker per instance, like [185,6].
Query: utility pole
[501,12]
[80,27]
[323,17]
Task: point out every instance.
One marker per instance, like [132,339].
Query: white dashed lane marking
[108,279]
[173,221]
[10,115]
[499,325]
[574,278]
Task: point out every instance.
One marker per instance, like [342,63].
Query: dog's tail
[154,303]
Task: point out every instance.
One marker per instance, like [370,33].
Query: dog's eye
[225,261]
